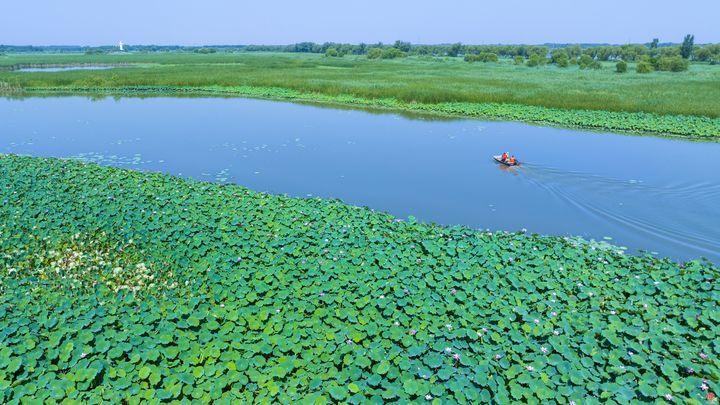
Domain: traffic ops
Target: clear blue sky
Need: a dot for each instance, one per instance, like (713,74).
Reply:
(198,22)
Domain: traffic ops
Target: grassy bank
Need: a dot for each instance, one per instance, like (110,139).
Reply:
(660,102)
(125,285)
(637,123)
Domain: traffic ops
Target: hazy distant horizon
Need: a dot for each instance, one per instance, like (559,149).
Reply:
(216,22)
(389,43)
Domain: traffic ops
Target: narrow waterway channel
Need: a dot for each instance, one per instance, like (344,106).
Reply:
(643,193)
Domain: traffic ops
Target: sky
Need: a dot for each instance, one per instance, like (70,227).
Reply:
(218,22)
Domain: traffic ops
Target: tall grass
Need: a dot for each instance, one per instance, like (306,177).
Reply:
(9,89)
(424,80)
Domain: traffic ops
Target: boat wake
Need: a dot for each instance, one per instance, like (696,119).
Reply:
(686,215)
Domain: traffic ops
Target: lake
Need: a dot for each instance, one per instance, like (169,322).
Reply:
(660,195)
(63,68)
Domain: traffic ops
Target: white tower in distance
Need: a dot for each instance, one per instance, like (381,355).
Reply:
(120,45)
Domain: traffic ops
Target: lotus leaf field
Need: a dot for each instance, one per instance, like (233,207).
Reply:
(687,126)
(122,286)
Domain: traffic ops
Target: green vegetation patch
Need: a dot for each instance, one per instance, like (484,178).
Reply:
(420,79)
(632,122)
(127,286)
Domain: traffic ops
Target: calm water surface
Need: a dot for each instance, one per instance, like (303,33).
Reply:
(63,69)
(646,193)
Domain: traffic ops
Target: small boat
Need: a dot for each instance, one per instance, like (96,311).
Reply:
(497,159)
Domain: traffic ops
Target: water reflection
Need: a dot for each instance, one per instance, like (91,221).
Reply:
(438,171)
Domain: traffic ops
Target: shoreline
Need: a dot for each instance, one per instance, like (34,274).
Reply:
(185,285)
(645,124)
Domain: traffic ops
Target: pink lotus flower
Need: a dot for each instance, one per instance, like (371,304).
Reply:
(349,341)
(704,387)
(530,368)
(83,355)
(456,356)
(537,321)
(498,356)
(703,356)
(544,349)
(412,332)
(668,397)
(448,350)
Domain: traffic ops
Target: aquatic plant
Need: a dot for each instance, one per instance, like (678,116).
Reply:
(256,297)
(9,88)
(632,122)
(418,79)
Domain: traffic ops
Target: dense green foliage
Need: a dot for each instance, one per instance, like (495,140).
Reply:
(629,52)
(454,50)
(560,58)
(205,50)
(121,286)
(385,53)
(481,57)
(686,49)
(621,66)
(655,103)
(708,53)
(670,64)
(587,62)
(424,80)
(374,53)
(536,60)
(644,67)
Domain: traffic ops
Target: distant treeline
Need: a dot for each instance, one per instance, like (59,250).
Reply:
(601,52)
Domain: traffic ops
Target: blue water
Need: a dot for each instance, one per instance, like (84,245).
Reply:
(643,193)
(62,69)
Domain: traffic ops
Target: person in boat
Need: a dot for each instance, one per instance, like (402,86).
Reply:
(504,157)
(512,161)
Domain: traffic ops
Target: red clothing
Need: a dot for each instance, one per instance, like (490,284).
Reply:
(504,156)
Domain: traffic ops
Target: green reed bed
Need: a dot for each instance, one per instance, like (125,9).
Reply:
(424,81)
